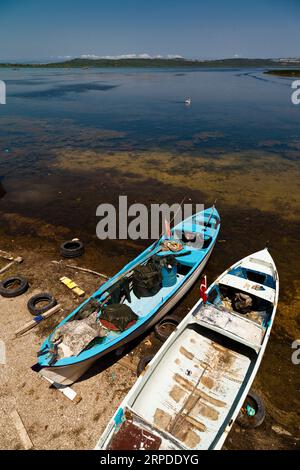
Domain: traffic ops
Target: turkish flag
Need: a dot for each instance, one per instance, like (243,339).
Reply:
(203,287)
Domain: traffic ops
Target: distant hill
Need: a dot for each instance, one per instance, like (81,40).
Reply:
(177,62)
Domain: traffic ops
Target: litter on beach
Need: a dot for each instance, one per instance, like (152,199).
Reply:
(2,352)
(72,286)
(21,430)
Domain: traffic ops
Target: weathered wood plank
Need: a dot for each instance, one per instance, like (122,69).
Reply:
(21,430)
(32,323)
(67,391)
(79,268)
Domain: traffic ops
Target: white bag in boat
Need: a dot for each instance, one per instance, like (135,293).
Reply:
(74,336)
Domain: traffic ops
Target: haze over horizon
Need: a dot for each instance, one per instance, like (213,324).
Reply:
(66,29)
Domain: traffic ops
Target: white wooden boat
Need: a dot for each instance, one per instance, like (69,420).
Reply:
(193,389)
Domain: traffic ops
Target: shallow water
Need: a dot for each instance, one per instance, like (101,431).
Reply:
(72,139)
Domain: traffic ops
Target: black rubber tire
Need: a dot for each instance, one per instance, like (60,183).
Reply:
(252,422)
(33,301)
(72,249)
(8,292)
(143,362)
(160,331)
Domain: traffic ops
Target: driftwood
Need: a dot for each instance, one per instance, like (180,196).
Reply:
(21,430)
(87,271)
(6,267)
(83,269)
(32,323)
(5,255)
(12,260)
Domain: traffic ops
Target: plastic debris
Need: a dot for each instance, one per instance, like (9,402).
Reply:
(281,431)
(2,352)
(21,430)
(72,285)
(250,410)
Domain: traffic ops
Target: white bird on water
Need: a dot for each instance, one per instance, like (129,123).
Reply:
(188,101)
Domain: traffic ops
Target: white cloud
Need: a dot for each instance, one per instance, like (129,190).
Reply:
(176,56)
(130,56)
(89,56)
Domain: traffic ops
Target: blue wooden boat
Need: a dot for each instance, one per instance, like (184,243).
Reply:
(196,237)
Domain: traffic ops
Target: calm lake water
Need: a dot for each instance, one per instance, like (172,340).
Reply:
(72,139)
(147,104)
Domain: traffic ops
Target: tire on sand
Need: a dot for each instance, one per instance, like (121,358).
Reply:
(165,327)
(252,422)
(72,249)
(47,301)
(144,361)
(13,286)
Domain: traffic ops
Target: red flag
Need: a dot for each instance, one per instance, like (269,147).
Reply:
(203,287)
(167,229)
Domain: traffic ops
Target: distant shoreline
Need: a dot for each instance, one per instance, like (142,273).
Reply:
(284,73)
(104,63)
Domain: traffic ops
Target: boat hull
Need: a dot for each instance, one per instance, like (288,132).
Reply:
(247,360)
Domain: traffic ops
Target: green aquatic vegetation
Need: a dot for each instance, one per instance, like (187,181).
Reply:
(284,73)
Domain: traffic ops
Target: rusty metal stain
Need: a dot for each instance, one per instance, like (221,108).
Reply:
(230,375)
(177,393)
(186,353)
(222,349)
(189,386)
(191,439)
(184,382)
(211,400)
(208,382)
(177,362)
(196,406)
(226,358)
(162,419)
(206,411)
(185,433)
(200,426)
(191,402)
(218,347)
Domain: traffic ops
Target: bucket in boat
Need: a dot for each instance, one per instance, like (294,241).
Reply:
(169,275)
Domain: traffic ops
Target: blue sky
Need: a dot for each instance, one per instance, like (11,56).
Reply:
(35,29)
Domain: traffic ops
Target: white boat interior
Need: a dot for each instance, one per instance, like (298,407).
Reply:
(194,388)
(196,385)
